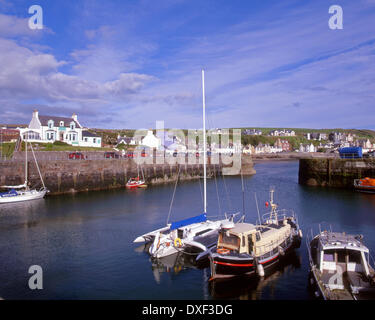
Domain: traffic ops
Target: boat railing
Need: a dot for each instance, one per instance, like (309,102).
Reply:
(262,249)
(281,213)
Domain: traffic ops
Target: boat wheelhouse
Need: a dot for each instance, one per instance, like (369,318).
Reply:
(340,267)
(248,249)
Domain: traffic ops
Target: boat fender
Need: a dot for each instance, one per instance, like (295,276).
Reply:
(281,251)
(178,242)
(260,270)
(300,233)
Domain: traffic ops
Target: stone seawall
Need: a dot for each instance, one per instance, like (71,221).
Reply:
(68,176)
(339,173)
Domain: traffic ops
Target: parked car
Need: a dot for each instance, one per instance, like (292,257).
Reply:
(111,155)
(130,154)
(76,156)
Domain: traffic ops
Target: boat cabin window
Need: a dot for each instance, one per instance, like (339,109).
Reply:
(202,232)
(258,236)
(329,255)
(251,244)
(354,256)
(180,233)
(230,239)
(341,256)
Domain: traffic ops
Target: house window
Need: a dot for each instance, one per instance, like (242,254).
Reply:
(72,125)
(50,124)
(61,123)
(94,140)
(85,139)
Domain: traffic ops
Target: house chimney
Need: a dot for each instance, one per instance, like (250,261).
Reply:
(75,118)
(35,114)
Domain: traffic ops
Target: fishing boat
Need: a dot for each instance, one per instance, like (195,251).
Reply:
(248,249)
(194,234)
(365,185)
(23,192)
(340,267)
(137,182)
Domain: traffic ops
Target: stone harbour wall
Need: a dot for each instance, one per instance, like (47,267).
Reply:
(339,173)
(69,176)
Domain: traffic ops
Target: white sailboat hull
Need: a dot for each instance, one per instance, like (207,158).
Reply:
(23,196)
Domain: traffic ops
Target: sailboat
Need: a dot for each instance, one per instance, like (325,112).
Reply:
(137,182)
(194,234)
(23,192)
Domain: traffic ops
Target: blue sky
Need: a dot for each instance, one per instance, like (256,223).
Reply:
(126,64)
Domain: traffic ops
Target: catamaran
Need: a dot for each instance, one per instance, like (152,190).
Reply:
(194,234)
(23,192)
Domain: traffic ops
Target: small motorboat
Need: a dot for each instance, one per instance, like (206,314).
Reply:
(365,185)
(340,267)
(248,249)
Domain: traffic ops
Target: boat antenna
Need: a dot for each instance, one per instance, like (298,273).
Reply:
(243,195)
(26,165)
(256,202)
(204,148)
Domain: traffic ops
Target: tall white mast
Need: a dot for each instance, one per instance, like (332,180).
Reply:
(204,148)
(26,163)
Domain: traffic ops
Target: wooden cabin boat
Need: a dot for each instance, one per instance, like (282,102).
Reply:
(340,267)
(249,249)
(365,185)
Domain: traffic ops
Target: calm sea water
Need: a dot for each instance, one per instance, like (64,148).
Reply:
(84,244)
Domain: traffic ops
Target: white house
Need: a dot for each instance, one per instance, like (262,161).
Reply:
(48,129)
(151,141)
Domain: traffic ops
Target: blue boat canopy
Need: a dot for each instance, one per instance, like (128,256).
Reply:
(186,222)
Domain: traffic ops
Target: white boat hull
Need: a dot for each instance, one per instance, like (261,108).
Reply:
(23,196)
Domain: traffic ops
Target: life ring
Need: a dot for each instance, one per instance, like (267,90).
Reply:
(179,242)
(222,251)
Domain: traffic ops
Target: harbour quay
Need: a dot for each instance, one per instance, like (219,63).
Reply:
(334,172)
(95,172)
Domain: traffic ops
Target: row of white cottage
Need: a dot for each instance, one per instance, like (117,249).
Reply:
(51,128)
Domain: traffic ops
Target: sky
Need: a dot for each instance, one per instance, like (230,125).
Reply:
(127,64)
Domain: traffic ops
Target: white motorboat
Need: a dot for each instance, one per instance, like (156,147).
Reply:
(340,267)
(23,192)
(194,234)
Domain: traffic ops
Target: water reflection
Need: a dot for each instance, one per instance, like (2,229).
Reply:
(253,288)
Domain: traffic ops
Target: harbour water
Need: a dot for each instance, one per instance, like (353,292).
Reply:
(84,242)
